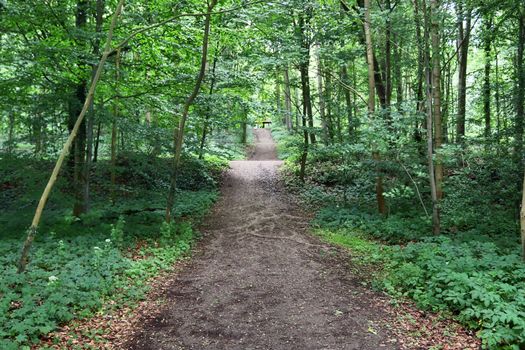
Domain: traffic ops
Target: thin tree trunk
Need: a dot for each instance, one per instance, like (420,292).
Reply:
(463,44)
(288,100)
(436,95)
(497,97)
(304,154)
(447,85)
(114,130)
(420,104)
(207,117)
(522,220)
(79,153)
(320,92)
(328,105)
(381,204)
(297,108)
(399,75)
(179,133)
(436,222)
(97,142)
(487,41)
(11,133)
(388,59)
(99,18)
(31,232)
(520,98)
(278,98)
(348,101)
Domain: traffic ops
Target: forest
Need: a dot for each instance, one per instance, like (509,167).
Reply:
(134,134)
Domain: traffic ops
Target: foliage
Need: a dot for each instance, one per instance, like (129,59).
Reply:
(474,273)
(476,280)
(72,274)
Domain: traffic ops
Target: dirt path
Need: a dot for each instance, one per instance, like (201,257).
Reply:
(261,281)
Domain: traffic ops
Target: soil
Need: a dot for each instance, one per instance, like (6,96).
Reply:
(260,281)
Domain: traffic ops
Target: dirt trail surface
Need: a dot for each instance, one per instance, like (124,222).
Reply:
(260,281)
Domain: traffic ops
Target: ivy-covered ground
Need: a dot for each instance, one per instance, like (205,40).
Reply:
(472,273)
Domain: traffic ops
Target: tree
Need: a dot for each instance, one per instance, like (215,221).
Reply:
(89,98)
(371,100)
(179,132)
(464,28)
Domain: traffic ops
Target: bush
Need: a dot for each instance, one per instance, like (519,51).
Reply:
(477,281)
(393,229)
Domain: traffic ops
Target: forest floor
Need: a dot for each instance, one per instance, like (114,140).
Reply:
(260,280)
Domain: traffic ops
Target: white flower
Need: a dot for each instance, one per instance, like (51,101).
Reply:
(97,249)
(108,240)
(52,279)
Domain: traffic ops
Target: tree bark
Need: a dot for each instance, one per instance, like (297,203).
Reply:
(487,42)
(79,148)
(304,22)
(348,101)
(464,24)
(97,142)
(208,111)
(288,100)
(320,92)
(114,131)
(381,204)
(436,94)
(522,221)
(420,104)
(11,133)
(520,97)
(278,97)
(436,221)
(99,18)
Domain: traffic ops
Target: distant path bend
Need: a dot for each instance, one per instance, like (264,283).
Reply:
(261,281)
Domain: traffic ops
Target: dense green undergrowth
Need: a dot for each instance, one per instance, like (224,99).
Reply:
(473,271)
(78,264)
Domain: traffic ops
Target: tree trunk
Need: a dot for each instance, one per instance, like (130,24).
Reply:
(179,133)
(520,97)
(297,108)
(436,222)
(288,100)
(348,101)
(304,155)
(522,221)
(436,94)
(320,92)
(328,105)
(97,142)
(31,232)
(464,24)
(381,204)
(114,131)
(11,133)
(303,27)
(305,84)
(388,59)
(420,104)
(487,41)
(99,18)
(208,111)
(399,75)
(77,162)
(278,98)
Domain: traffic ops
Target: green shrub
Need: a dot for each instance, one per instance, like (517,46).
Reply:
(477,281)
